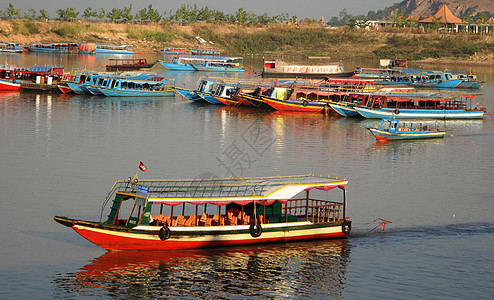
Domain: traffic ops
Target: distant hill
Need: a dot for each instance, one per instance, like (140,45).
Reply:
(459,8)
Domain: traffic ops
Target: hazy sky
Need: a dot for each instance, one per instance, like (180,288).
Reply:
(300,8)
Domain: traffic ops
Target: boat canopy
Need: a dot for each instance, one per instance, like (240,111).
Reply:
(424,96)
(223,191)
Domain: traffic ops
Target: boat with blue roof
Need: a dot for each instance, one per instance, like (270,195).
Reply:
(154,87)
(392,129)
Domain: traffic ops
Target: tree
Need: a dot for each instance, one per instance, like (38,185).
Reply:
(142,15)
(31,14)
(101,14)
(12,13)
(43,15)
(114,14)
(89,13)
(153,15)
(436,23)
(67,14)
(126,13)
(241,15)
(205,14)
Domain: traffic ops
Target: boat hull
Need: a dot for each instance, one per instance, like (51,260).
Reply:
(147,237)
(177,67)
(344,110)
(189,94)
(9,85)
(383,135)
(297,105)
(135,93)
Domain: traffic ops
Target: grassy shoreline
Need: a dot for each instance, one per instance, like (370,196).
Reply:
(241,39)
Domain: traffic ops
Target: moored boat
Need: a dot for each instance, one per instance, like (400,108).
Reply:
(200,50)
(127,64)
(230,64)
(241,211)
(429,105)
(123,87)
(11,77)
(279,68)
(11,47)
(392,129)
(168,50)
(114,49)
(55,48)
(189,63)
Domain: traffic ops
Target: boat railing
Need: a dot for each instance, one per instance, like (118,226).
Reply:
(314,210)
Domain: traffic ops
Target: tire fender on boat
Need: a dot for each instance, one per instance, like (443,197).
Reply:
(397,111)
(305,103)
(164,233)
(346,227)
(255,230)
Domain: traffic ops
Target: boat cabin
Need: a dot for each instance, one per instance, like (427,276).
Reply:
(394,125)
(222,202)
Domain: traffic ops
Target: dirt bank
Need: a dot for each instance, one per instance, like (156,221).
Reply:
(241,39)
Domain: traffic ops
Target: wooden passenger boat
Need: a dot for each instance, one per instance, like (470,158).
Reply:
(11,77)
(168,50)
(206,213)
(279,68)
(123,87)
(230,64)
(199,50)
(11,47)
(114,49)
(81,81)
(194,63)
(392,129)
(419,78)
(55,48)
(127,64)
(418,105)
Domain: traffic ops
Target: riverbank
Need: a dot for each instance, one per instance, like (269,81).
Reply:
(243,39)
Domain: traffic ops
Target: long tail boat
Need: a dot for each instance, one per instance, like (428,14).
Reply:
(168,214)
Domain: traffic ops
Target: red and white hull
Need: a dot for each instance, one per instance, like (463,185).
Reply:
(147,237)
(9,85)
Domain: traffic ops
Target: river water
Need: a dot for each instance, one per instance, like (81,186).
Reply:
(61,153)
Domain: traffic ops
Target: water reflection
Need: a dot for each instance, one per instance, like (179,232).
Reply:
(315,270)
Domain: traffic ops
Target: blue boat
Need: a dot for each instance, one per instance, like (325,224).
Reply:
(189,63)
(11,47)
(205,85)
(418,78)
(344,109)
(114,49)
(392,129)
(79,84)
(230,64)
(188,94)
(119,87)
(55,48)
(205,51)
(209,97)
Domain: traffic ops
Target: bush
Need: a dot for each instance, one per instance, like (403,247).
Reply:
(68,30)
(150,35)
(25,28)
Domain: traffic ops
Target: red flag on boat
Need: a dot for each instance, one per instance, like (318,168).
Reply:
(142,167)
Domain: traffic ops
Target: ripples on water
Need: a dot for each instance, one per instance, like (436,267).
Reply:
(395,264)
(307,270)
